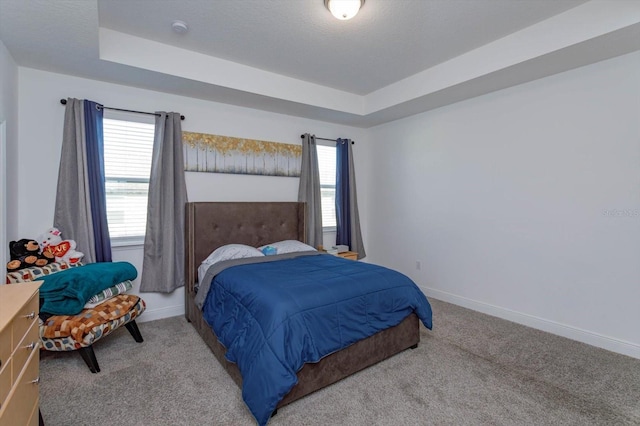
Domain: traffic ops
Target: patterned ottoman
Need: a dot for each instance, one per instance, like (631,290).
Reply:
(79,332)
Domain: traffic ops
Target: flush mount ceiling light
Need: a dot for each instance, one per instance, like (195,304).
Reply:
(344,9)
(179,27)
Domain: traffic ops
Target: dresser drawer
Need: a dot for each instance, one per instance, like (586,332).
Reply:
(5,381)
(25,317)
(35,416)
(24,396)
(6,347)
(29,344)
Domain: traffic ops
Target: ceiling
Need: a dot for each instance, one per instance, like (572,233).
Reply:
(394,59)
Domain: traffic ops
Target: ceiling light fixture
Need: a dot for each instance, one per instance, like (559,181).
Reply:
(344,9)
(179,27)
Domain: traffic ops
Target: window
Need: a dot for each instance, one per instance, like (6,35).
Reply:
(128,143)
(327,166)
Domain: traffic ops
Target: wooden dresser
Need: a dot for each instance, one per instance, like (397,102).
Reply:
(19,354)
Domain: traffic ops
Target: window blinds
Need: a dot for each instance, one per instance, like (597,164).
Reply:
(127,158)
(327,167)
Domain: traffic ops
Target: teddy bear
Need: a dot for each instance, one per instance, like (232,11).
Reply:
(52,244)
(25,253)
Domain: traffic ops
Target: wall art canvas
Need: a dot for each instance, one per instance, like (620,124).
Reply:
(225,154)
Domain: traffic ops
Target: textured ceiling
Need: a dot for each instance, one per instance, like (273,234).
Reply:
(395,58)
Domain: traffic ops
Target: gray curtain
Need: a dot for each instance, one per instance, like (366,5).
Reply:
(72,214)
(355,243)
(309,190)
(163,262)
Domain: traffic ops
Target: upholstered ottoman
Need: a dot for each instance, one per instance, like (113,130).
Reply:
(105,312)
(79,332)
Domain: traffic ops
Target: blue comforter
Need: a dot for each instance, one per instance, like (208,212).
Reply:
(275,316)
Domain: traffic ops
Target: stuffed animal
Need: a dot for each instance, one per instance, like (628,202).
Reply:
(52,244)
(25,253)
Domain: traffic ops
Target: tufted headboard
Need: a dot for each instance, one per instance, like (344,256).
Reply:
(209,225)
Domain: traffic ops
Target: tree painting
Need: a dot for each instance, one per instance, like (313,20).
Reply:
(226,154)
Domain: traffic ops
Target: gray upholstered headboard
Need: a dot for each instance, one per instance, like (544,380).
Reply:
(209,225)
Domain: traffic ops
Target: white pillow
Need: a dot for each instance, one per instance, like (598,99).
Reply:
(289,246)
(232,251)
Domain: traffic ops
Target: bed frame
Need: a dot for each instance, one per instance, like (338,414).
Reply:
(209,225)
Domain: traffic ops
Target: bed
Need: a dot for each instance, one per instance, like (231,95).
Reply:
(210,225)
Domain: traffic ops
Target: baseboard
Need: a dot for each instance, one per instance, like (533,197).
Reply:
(159,313)
(584,336)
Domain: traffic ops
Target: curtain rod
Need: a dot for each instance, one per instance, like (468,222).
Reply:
(64,102)
(325,139)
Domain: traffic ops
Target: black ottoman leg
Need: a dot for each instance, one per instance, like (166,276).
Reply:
(90,359)
(135,331)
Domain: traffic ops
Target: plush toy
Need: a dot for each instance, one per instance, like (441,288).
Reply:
(25,253)
(52,244)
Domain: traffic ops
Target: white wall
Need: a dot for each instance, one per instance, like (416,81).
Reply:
(8,148)
(40,144)
(505,200)
(501,198)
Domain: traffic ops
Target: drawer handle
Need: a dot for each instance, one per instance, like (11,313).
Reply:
(30,346)
(32,315)
(36,381)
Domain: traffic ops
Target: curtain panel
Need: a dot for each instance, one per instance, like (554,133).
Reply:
(95,173)
(163,261)
(80,209)
(309,190)
(347,215)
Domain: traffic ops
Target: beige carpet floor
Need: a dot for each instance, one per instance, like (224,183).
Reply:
(472,369)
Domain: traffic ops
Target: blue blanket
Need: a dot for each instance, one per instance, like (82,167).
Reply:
(275,316)
(66,292)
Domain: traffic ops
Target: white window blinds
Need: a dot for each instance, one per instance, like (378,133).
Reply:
(127,159)
(327,167)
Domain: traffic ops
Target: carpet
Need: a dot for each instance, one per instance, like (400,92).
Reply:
(472,369)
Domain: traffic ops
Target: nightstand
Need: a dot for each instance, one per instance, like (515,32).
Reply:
(351,255)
